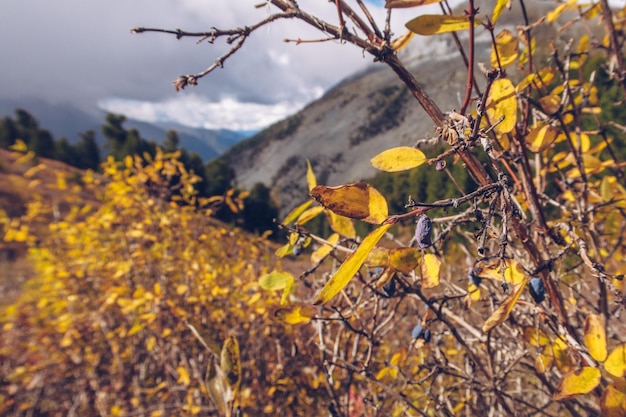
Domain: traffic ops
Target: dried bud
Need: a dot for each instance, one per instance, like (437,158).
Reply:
(423,230)
(537,289)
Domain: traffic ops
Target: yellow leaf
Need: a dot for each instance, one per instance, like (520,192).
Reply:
(513,273)
(474,291)
(384,278)
(296,212)
(431,267)
(502,102)
(310,176)
(399,4)
(433,24)
(402,41)
(19,146)
(543,362)
(218,388)
(351,265)
(561,355)
(324,250)
(504,310)
(356,201)
(540,138)
(550,104)
(595,337)
(552,15)
(230,362)
(615,364)
(575,383)
(309,215)
(535,336)
(497,10)
(341,225)
(377,257)
(284,250)
(276,280)
(295,314)
(398,159)
(613,403)
(404,260)
(506,49)
(183,376)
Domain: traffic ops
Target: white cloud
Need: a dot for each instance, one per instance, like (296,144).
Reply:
(196,111)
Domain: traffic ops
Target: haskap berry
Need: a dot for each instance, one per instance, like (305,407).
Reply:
(537,289)
(423,230)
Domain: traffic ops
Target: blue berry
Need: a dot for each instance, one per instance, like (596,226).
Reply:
(390,288)
(423,230)
(417,332)
(426,336)
(474,279)
(537,289)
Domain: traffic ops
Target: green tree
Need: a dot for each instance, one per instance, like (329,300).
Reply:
(88,151)
(259,212)
(219,177)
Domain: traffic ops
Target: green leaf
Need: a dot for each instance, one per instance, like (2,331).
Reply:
(398,159)
(434,24)
(351,265)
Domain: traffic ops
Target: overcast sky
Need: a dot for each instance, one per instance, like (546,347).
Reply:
(82,52)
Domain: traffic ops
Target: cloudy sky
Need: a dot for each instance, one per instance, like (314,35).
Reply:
(82,52)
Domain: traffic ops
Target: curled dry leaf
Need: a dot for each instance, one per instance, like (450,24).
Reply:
(357,201)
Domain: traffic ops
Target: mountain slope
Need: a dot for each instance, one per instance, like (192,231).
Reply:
(362,116)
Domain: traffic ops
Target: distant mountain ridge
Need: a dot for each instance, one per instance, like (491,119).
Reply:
(66,120)
(360,117)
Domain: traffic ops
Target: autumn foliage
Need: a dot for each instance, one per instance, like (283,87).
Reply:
(505,299)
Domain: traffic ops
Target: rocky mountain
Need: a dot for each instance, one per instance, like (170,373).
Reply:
(361,116)
(66,120)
